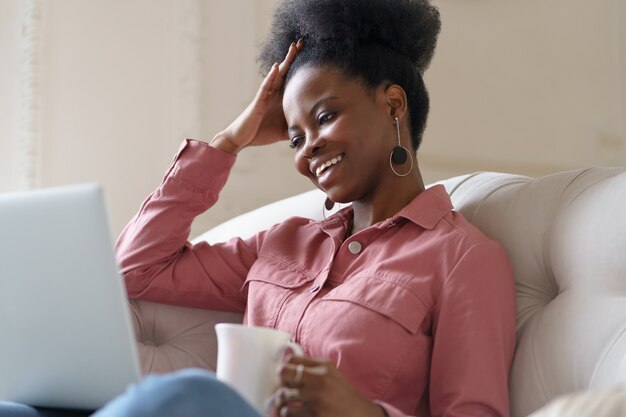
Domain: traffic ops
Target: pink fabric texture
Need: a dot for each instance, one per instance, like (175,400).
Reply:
(417,311)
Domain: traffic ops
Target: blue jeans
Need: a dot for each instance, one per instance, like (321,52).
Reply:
(8,409)
(186,393)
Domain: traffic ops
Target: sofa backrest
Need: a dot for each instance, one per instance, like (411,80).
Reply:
(565,235)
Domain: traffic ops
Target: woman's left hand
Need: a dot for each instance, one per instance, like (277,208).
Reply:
(315,388)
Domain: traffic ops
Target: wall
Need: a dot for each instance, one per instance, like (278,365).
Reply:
(105,91)
(527,86)
(117,87)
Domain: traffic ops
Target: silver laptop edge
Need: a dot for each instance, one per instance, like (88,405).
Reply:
(66,334)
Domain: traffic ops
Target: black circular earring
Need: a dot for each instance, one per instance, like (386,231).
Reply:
(399,154)
(329,204)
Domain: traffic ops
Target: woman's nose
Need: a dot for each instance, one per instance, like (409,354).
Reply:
(313,145)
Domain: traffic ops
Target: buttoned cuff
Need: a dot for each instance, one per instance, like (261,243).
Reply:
(201,165)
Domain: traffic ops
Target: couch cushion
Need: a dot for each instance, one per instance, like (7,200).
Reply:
(566,237)
(172,337)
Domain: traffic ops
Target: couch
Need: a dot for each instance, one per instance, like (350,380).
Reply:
(565,235)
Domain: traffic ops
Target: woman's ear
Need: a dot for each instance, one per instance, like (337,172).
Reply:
(396,101)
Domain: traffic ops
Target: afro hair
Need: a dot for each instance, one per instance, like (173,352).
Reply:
(377,41)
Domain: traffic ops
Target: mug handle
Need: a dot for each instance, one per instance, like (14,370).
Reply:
(295,348)
(288,349)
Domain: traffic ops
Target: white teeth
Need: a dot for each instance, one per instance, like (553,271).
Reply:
(327,164)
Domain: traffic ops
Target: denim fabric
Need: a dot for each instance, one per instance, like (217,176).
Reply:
(8,409)
(186,393)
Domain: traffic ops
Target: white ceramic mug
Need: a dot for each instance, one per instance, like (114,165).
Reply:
(247,357)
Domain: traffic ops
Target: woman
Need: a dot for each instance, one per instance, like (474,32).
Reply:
(402,307)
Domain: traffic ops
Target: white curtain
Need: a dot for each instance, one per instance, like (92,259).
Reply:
(20,42)
(29,136)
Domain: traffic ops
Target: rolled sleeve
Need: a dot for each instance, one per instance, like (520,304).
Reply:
(201,165)
(158,262)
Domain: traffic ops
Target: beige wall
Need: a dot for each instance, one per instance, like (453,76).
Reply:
(528,86)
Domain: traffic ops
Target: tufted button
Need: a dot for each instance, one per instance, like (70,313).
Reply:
(354,247)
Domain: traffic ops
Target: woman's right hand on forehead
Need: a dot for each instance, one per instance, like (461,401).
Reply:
(263,121)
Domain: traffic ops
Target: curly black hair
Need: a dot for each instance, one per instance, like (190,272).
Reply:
(376,41)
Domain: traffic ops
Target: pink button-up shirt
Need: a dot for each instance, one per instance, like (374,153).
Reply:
(417,311)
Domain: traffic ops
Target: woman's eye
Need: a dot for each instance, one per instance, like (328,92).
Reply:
(325,118)
(296,142)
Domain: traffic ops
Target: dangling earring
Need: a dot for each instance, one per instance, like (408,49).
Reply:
(399,153)
(328,206)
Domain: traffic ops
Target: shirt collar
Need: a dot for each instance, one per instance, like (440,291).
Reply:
(426,210)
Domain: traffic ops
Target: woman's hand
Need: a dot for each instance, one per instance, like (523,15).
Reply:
(263,121)
(314,387)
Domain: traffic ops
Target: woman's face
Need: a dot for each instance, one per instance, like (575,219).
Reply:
(341,131)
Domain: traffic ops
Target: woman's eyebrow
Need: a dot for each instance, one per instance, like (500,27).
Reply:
(319,102)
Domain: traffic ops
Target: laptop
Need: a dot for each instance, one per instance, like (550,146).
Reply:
(66,338)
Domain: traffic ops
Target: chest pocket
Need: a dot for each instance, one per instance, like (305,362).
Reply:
(381,324)
(271,283)
(374,298)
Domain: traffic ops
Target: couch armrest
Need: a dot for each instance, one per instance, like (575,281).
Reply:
(172,337)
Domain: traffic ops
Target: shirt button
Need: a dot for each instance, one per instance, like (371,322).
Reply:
(314,288)
(354,247)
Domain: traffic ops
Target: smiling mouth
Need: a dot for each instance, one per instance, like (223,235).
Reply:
(319,171)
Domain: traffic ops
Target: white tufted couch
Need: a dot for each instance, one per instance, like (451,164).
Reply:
(566,237)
